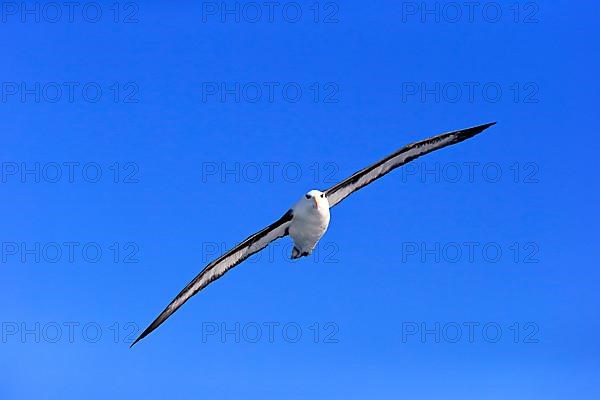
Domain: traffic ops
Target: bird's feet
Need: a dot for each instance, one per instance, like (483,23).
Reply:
(297,254)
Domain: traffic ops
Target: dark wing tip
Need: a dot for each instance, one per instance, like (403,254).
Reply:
(470,132)
(155,324)
(485,126)
(143,335)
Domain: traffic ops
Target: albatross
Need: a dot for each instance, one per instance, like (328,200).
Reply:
(308,219)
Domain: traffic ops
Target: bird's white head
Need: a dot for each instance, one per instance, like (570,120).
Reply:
(315,199)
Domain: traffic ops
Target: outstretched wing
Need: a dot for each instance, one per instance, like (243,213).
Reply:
(362,178)
(217,268)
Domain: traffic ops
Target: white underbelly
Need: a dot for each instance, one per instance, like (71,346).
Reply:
(306,230)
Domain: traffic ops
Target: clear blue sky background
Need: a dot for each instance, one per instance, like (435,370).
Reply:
(366,280)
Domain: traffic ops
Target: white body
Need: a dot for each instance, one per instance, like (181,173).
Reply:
(310,221)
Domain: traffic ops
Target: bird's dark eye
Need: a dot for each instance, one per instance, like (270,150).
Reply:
(322,195)
(307,196)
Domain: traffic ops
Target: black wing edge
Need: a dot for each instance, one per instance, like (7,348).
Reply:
(167,312)
(461,135)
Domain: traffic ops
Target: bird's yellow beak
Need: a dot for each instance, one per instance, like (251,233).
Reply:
(316,203)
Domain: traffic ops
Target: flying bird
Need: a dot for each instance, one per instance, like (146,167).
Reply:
(308,219)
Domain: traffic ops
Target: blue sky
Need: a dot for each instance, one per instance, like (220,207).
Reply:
(139,141)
